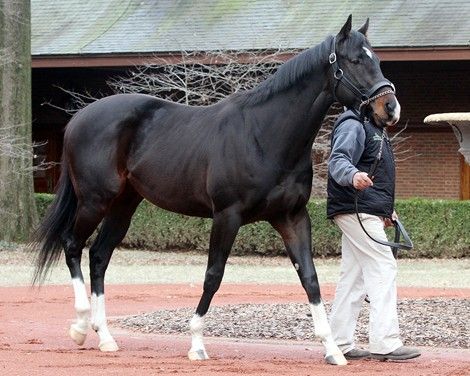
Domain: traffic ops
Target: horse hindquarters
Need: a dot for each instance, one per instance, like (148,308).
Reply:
(94,151)
(106,198)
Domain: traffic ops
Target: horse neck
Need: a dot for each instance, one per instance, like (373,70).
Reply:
(292,118)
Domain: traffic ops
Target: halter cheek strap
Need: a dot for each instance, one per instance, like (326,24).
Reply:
(365,97)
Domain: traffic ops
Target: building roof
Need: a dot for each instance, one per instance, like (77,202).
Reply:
(79,27)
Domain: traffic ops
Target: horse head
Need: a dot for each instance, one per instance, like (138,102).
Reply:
(357,80)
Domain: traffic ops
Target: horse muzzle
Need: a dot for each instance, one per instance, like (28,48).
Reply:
(388,112)
(384,104)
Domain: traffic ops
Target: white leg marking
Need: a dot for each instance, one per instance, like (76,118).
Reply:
(323,332)
(79,329)
(100,325)
(197,351)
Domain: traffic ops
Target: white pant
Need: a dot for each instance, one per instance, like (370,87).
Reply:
(366,268)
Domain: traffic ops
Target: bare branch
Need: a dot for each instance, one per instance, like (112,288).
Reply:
(401,146)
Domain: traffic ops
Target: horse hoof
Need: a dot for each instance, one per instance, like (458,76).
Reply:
(337,359)
(108,346)
(77,336)
(197,355)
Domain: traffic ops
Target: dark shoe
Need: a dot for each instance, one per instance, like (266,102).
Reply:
(355,354)
(402,353)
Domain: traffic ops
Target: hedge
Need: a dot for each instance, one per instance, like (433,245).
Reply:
(438,228)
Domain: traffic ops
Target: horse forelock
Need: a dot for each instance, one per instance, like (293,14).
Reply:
(288,74)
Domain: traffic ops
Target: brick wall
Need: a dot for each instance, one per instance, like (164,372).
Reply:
(425,88)
(432,167)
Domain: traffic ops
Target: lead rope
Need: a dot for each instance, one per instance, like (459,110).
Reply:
(399,229)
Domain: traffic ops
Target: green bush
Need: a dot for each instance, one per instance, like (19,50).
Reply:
(438,228)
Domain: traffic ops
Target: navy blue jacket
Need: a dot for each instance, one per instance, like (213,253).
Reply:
(355,146)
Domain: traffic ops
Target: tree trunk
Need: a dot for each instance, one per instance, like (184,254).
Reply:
(17,206)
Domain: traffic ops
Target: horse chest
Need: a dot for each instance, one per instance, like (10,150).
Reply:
(290,194)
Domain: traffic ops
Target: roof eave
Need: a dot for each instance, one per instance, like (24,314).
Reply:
(433,53)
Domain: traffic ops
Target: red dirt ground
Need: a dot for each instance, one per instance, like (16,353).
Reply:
(34,340)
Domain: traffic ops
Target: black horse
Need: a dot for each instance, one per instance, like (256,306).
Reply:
(244,159)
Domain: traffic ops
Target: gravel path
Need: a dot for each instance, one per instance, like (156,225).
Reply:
(423,322)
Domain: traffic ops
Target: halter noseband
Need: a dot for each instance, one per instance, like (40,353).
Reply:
(365,97)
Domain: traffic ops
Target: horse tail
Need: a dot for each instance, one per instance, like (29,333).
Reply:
(55,226)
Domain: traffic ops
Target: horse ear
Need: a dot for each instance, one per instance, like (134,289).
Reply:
(364,28)
(346,29)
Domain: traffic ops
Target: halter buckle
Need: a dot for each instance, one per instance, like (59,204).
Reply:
(332,58)
(338,74)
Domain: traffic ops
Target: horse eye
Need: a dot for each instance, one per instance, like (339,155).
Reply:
(355,61)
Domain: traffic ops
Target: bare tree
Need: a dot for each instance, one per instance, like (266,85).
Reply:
(17,205)
(201,79)
(402,151)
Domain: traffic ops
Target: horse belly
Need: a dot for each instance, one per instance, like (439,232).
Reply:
(173,193)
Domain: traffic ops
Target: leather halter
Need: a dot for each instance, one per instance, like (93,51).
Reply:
(365,96)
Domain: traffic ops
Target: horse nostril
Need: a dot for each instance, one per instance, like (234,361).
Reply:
(390,107)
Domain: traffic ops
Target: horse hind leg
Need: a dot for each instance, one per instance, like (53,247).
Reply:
(224,230)
(78,330)
(87,219)
(111,233)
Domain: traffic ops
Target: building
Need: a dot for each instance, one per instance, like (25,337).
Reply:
(424,47)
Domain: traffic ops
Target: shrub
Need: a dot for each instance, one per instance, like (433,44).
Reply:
(438,228)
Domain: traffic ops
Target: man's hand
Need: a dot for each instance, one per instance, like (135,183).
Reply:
(361,180)
(388,222)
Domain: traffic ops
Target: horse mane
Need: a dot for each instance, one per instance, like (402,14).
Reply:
(288,74)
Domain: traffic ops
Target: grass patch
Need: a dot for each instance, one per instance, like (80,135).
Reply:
(438,228)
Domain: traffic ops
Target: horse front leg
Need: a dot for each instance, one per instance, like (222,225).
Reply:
(225,227)
(295,230)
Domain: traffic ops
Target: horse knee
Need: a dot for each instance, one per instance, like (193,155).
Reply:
(312,288)
(213,280)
